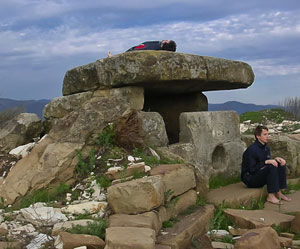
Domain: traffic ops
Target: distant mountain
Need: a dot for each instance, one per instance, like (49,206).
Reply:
(37,106)
(239,107)
(31,106)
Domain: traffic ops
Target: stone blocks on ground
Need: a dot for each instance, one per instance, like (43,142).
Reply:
(261,238)
(295,226)
(144,220)
(136,196)
(129,238)
(288,206)
(235,195)
(250,219)
(216,138)
(64,226)
(69,241)
(19,131)
(177,178)
(181,203)
(180,235)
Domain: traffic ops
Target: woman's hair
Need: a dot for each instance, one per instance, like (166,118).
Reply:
(170,46)
(258,130)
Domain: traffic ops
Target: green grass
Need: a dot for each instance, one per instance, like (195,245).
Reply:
(169,223)
(220,180)
(220,220)
(96,228)
(103,181)
(107,137)
(275,115)
(46,195)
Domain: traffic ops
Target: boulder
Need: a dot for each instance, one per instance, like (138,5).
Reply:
(261,238)
(137,129)
(283,146)
(177,178)
(295,225)
(250,219)
(181,203)
(64,226)
(145,220)
(190,226)
(136,196)
(54,158)
(159,71)
(42,216)
(90,207)
(69,241)
(19,130)
(235,195)
(129,238)
(215,142)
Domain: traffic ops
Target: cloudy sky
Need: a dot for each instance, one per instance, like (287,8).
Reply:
(41,39)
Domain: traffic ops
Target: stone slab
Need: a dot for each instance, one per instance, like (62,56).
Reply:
(180,235)
(288,206)
(129,238)
(235,195)
(177,178)
(250,219)
(159,71)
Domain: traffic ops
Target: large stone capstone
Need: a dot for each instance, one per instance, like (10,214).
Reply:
(158,72)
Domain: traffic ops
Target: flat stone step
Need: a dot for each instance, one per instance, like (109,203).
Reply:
(288,206)
(251,219)
(235,195)
(190,226)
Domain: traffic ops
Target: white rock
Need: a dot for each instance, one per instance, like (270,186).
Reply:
(217,233)
(147,168)
(38,241)
(68,197)
(22,150)
(43,216)
(91,207)
(114,169)
(1,219)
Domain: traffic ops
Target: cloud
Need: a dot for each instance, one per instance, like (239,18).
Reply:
(44,33)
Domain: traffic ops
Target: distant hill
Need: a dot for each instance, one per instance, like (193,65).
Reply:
(37,106)
(239,107)
(31,106)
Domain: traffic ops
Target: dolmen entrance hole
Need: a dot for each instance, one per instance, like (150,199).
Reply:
(170,106)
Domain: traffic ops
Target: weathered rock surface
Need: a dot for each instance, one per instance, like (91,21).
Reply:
(180,235)
(177,178)
(288,206)
(54,158)
(145,220)
(283,146)
(235,195)
(295,225)
(129,237)
(136,196)
(19,130)
(215,141)
(64,226)
(159,71)
(181,203)
(262,238)
(251,219)
(90,207)
(69,241)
